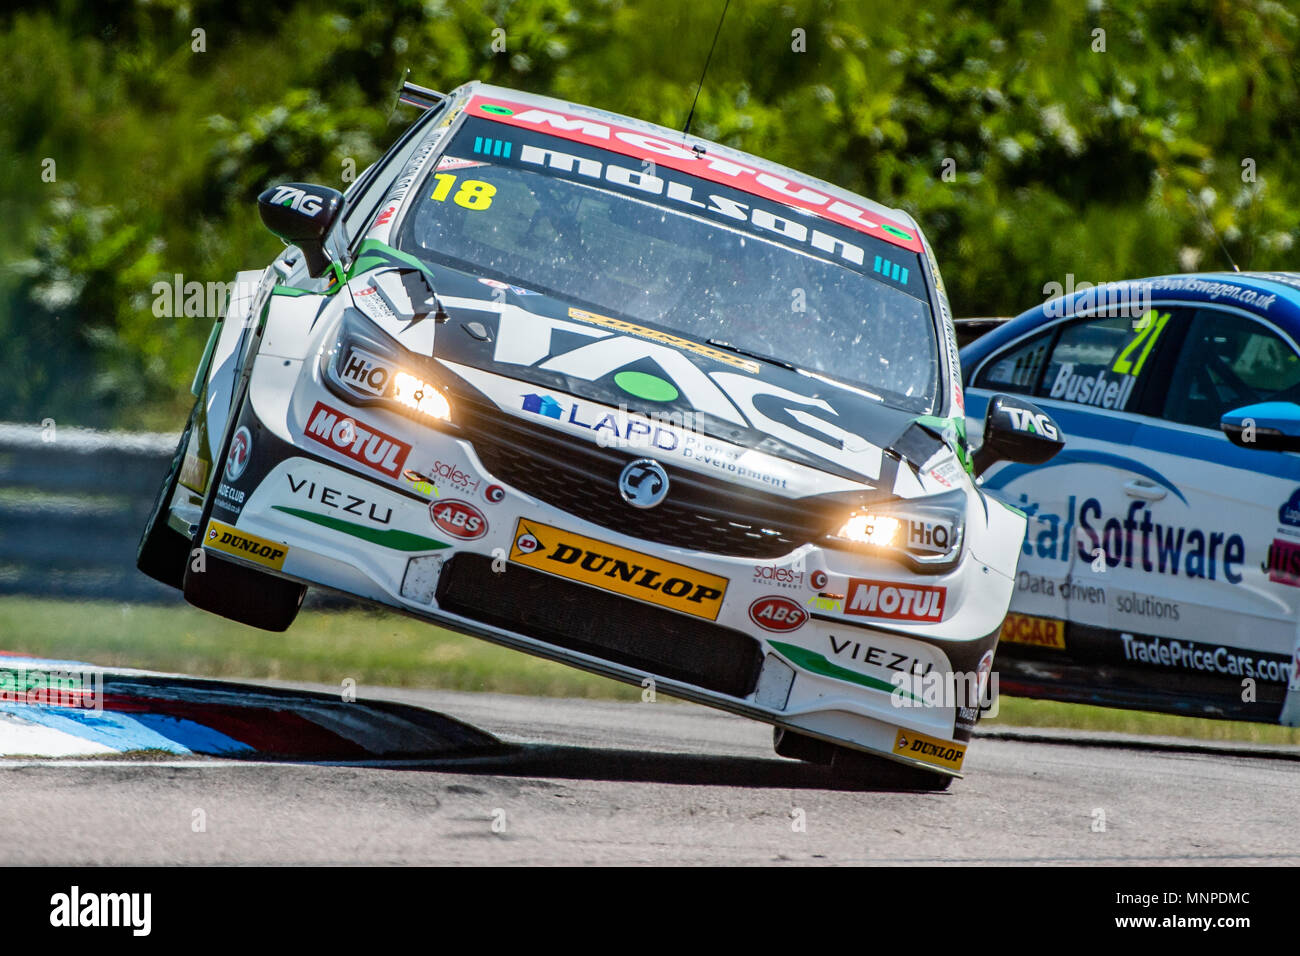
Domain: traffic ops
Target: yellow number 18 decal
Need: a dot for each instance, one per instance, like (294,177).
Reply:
(473,193)
(1150,326)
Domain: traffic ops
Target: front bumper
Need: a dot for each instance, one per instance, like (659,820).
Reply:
(447,548)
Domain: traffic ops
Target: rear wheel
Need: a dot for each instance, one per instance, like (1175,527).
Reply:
(242,594)
(163,552)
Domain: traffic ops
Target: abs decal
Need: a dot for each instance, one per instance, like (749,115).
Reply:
(778,614)
(460,519)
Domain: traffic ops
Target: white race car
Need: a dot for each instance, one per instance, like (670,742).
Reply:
(622,398)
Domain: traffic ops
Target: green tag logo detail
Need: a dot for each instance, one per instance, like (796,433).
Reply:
(652,388)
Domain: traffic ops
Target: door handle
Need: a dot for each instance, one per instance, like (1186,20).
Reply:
(1146,490)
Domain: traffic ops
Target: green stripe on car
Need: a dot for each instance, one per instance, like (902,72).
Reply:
(384,537)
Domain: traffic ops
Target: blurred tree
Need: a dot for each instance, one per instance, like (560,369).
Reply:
(1031,140)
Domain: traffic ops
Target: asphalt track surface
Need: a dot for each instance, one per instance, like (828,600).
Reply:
(599,782)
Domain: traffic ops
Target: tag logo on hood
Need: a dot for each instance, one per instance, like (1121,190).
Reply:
(528,339)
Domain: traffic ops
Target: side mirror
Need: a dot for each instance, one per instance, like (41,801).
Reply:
(302,215)
(1268,426)
(1016,430)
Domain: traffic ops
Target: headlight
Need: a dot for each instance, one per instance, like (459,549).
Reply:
(365,369)
(420,395)
(925,534)
(874,529)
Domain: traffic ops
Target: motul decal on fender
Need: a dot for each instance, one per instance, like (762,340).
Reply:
(364,443)
(895,602)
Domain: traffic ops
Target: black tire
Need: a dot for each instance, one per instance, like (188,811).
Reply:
(789,743)
(163,552)
(880,773)
(242,594)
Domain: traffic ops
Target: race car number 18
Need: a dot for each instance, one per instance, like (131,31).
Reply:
(473,193)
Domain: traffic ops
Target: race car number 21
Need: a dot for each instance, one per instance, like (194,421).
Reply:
(473,193)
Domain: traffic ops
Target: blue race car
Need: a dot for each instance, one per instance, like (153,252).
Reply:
(1161,563)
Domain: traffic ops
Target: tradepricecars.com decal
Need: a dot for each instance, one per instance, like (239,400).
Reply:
(1205,658)
(619,570)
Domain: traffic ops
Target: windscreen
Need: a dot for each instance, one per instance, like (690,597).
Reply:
(679,253)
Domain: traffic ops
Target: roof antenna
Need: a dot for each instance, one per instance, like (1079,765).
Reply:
(406,75)
(1195,202)
(691,115)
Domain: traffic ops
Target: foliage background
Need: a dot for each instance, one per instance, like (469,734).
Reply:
(1067,160)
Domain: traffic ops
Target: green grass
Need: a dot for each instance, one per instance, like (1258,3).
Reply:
(371,647)
(376,647)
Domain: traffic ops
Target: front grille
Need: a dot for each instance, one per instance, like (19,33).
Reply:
(700,513)
(604,625)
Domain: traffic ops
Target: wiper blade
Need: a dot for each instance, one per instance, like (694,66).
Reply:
(740,350)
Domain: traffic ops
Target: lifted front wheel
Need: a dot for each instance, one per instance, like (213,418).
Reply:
(242,594)
(163,552)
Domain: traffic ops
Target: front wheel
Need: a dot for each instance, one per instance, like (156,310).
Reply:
(855,767)
(163,552)
(878,772)
(242,594)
